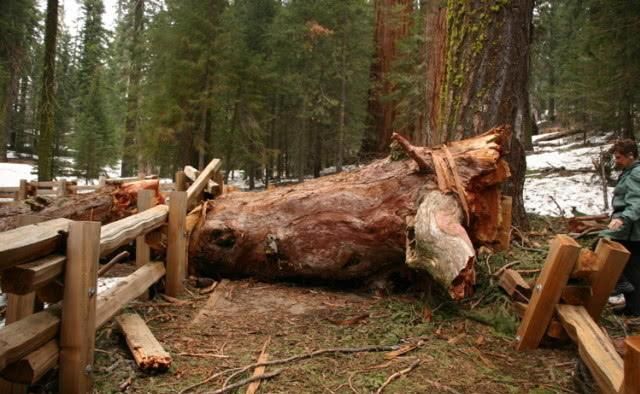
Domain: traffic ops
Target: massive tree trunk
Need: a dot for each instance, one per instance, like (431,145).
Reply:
(392,23)
(47,102)
(359,224)
(478,76)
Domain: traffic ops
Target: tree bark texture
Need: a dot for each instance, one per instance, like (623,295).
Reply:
(47,101)
(392,23)
(478,76)
(351,226)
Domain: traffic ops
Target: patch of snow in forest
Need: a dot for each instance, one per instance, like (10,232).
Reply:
(577,191)
(569,159)
(11,173)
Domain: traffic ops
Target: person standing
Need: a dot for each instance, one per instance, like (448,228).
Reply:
(624,226)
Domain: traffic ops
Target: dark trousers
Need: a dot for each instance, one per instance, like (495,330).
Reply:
(632,274)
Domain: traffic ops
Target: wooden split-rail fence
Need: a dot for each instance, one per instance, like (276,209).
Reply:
(56,261)
(63,187)
(560,309)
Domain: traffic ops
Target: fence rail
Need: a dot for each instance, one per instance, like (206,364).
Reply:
(34,256)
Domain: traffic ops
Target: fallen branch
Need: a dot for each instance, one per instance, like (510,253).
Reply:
(119,257)
(242,382)
(397,375)
(240,370)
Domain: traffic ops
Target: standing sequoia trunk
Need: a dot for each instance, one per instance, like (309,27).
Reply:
(478,76)
(392,23)
(358,224)
(47,102)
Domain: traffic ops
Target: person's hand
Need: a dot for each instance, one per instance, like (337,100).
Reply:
(615,224)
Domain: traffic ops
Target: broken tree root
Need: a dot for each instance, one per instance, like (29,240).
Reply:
(241,370)
(396,375)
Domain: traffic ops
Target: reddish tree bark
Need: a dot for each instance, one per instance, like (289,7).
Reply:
(392,23)
(354,225)
(479,76)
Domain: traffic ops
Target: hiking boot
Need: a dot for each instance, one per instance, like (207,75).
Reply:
(616,300)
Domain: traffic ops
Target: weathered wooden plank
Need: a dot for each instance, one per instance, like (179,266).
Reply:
(594,346)
(176,244)
(203,180)
(147,352)
(612,258)
(514,285)
(146,199)
(116,234)
(127,289)
(31,368)
(28,277)
(30,242)
(559,264)
(632,366)
(78,325)
(21,338)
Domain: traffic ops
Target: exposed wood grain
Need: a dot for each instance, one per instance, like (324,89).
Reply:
(559,264)
(594,346)
(116,234)
(78,324)
(28,277)
(30,242)
(176,244)
(147,352)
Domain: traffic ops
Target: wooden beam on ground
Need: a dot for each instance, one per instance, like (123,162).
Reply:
(147,352)
(32,367)
(202,181)
(146,199)
(30,242)
(176,244)
(78,325)
(28,277)
(263,358)
(594,346)
(20,339)
(632,366)
(116,234)
(612,258)
(586,266)
(515,286)
(559,264)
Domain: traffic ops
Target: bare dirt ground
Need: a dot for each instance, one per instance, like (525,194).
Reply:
(228,328)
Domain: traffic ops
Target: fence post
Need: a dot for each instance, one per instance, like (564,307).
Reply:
(181,181)
(176,243)
(62,188)
(78,323)
(145,201)
(632,366)
(23,191)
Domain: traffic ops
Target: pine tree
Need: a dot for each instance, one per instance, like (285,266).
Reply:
(94,137)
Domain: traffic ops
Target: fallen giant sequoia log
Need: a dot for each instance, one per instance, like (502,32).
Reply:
(428,210)
(108,205)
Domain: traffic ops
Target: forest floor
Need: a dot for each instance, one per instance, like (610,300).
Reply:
(459,347)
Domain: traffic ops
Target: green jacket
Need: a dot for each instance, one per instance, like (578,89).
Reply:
(626,205)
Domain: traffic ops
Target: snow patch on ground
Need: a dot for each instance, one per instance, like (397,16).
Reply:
(581,192)
(11,173)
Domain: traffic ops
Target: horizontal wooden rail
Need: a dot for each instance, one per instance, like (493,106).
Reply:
(30,242)
(19,339)
(28,277)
